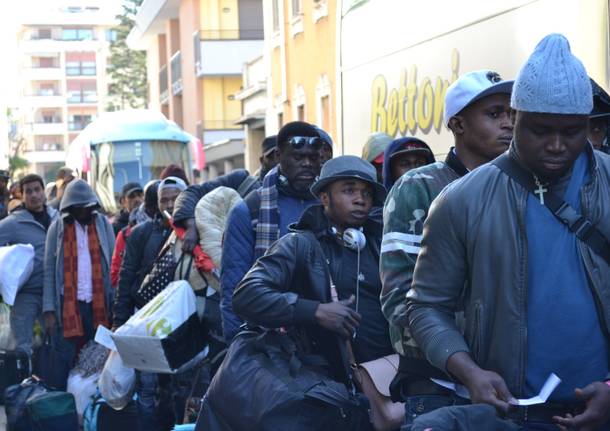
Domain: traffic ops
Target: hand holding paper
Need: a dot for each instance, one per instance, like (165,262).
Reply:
(547,389)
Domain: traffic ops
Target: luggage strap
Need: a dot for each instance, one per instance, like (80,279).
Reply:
(579,225)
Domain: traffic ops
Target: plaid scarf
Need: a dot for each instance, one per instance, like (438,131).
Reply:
(268,226)
(72,323)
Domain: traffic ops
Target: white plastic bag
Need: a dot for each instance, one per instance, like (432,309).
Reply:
(16,264)
(83,388)
(117,383)
(7,341)
(163,314)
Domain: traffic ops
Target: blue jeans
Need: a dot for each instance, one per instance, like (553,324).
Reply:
(146,388)
(418,405)
(24,313)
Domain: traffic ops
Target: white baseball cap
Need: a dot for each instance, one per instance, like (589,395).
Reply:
(471,87)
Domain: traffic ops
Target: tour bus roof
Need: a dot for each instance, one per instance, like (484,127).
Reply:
(132,125)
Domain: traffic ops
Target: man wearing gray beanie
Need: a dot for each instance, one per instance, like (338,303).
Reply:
(522,243)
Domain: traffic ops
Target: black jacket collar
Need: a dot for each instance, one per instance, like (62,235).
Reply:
(455,164)
(314,220)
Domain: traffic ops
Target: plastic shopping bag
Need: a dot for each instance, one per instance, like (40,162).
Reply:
(117,382)
(16,264)
(162,315)
(7,341)
(83,389)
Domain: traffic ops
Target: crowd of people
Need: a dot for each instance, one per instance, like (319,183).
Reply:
(489,268)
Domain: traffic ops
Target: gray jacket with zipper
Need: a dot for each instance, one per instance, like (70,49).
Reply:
(20,227)
(474,257)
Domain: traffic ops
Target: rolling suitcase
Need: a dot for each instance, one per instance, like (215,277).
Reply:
(14,368)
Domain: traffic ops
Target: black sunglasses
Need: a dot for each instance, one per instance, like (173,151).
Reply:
(299,142)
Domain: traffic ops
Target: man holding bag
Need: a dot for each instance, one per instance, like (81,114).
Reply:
(28,224)
(321,281)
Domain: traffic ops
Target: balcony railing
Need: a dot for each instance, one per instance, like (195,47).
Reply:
(176,68)
(48,146)
(163,94)
(80,71)
(236,34)
(220,125)
(82,97)
(77,125)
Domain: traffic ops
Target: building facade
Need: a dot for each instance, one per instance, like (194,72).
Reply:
(195,53)
(63,52)
(300,54)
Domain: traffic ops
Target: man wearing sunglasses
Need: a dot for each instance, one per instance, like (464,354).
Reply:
(264,216)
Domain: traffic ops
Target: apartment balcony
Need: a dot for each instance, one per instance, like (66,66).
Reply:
(176,68)
(58,128)
(51,100)
(49,46)
(43,73)
(39,155)
(226,54)
(81,71)
(82,98)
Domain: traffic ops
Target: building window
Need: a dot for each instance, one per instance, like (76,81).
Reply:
(280,120)
(320,9)
(301,113)
(111,35)
(325,112)
(79,122)
(297,8)
(77,34)
(42,33)
(276,15)
(46,62)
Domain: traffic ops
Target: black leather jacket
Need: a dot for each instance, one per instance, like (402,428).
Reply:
(285,286)
(474,255)
(141,248)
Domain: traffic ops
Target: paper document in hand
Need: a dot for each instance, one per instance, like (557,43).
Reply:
(547,389)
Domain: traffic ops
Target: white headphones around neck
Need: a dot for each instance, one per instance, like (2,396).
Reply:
(354,239)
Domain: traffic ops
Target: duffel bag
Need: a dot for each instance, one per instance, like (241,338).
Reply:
(53,411)
(15,398)
(265,384)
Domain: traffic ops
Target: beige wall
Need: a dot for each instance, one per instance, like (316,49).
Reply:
(310,59)
(220,112)
(189,23)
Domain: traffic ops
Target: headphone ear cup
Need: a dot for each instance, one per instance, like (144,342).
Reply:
(354,239)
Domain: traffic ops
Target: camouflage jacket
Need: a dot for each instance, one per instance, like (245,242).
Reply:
(405,210)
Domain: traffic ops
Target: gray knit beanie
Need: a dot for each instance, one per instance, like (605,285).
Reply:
(553,81)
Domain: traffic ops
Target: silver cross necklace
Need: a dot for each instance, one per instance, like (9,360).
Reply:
(541,189)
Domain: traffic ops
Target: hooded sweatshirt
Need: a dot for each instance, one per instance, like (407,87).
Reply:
(396,146)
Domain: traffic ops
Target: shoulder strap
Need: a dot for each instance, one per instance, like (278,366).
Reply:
(253,202)
(245,185)
(576,223)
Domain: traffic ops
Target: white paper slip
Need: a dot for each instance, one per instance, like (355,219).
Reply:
(103,337)
(547,389)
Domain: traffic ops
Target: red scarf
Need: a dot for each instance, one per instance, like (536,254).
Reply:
(72,323)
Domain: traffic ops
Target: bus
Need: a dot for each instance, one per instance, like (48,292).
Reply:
(132,145)
(397,58)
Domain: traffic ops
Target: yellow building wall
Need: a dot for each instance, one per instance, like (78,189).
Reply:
(219,19)
(309,55)
(219,112)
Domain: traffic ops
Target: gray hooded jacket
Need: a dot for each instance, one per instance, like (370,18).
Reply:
(78,193)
